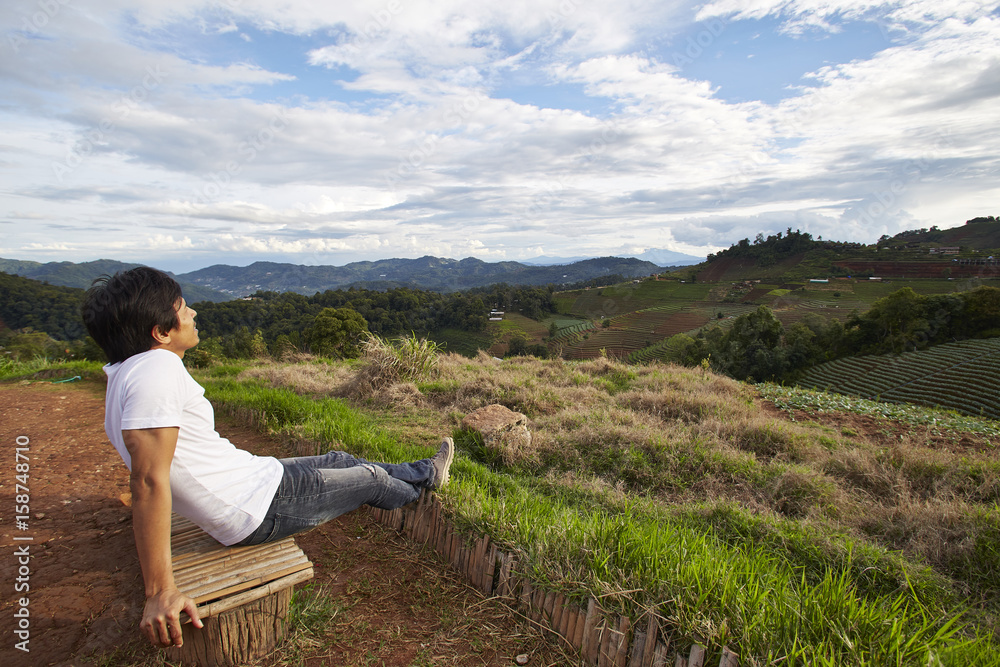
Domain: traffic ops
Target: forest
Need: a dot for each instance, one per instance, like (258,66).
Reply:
(38,319)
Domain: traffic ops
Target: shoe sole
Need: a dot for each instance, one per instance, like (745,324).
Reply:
(447,463)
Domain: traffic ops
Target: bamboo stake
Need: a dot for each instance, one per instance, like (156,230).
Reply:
(591,643)
(489,577)
(638,648)
(439,522)
(505,583)
(652,629)
(604,656)
(479,565)
(526,594)
(579,616)
(697,657)
(538,605)
(561,621)
(621,655)
(548,607)
(729,659)
(660,654)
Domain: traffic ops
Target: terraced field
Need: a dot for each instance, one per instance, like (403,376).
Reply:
(963,376)
(637,330)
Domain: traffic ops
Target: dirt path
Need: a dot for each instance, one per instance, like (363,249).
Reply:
(387,602)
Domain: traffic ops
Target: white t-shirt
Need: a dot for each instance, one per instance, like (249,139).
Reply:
(223,489)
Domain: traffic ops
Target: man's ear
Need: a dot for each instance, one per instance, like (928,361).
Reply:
(159,336)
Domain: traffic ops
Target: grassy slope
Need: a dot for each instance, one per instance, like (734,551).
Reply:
(659,487)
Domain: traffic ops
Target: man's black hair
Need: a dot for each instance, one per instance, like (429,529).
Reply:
(120,311)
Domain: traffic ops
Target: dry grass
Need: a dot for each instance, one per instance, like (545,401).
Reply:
(685,436)
(305,376)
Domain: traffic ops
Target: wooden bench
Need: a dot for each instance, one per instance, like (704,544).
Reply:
(243,595)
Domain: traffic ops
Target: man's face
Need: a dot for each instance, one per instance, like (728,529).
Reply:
(184,336)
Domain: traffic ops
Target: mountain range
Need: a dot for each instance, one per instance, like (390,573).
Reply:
(222,282)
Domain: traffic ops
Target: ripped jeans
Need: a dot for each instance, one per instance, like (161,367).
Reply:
(315,489)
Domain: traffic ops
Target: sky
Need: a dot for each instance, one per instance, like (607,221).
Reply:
(189,133)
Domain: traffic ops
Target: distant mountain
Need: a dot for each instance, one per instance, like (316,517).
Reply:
(70,274)
(430,273)
(669,258)
(656,256)
(549,260)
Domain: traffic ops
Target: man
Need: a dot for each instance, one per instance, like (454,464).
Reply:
(159,420)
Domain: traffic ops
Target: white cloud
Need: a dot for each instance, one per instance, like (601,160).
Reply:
(449,124)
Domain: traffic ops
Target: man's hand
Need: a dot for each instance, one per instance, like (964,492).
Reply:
(161,623)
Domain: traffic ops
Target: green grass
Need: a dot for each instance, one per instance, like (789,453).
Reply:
(41,368)
(739,532)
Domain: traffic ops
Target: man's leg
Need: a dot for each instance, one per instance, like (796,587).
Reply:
(419,472)
(310,496)
(315,489)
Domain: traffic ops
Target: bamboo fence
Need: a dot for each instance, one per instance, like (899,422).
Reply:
(599,638)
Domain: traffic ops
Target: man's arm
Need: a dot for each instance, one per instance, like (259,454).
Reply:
(151,451)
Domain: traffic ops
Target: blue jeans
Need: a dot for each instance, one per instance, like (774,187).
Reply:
(315,489)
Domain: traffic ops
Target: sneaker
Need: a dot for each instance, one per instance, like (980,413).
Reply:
(442,462)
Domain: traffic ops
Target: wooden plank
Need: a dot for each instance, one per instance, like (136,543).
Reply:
(211,574)
(211,593)
(270,588)
(697,657)
(258,561)
(222,559)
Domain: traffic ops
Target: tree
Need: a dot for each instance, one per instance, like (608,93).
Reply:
(258,348)
(752,347)
(336,331)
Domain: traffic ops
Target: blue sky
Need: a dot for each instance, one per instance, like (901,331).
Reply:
(195,132)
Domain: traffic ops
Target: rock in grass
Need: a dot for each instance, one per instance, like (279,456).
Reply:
(505,432)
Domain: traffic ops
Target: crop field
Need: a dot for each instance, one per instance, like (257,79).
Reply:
(628,297)
(963,376)
(635,331)
(870,291)
(618,344)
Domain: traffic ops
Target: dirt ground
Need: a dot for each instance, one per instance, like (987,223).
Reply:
(388,602)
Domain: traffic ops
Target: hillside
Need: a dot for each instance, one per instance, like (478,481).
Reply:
(430,273)
(971,250)
(29,304)
(70,274)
